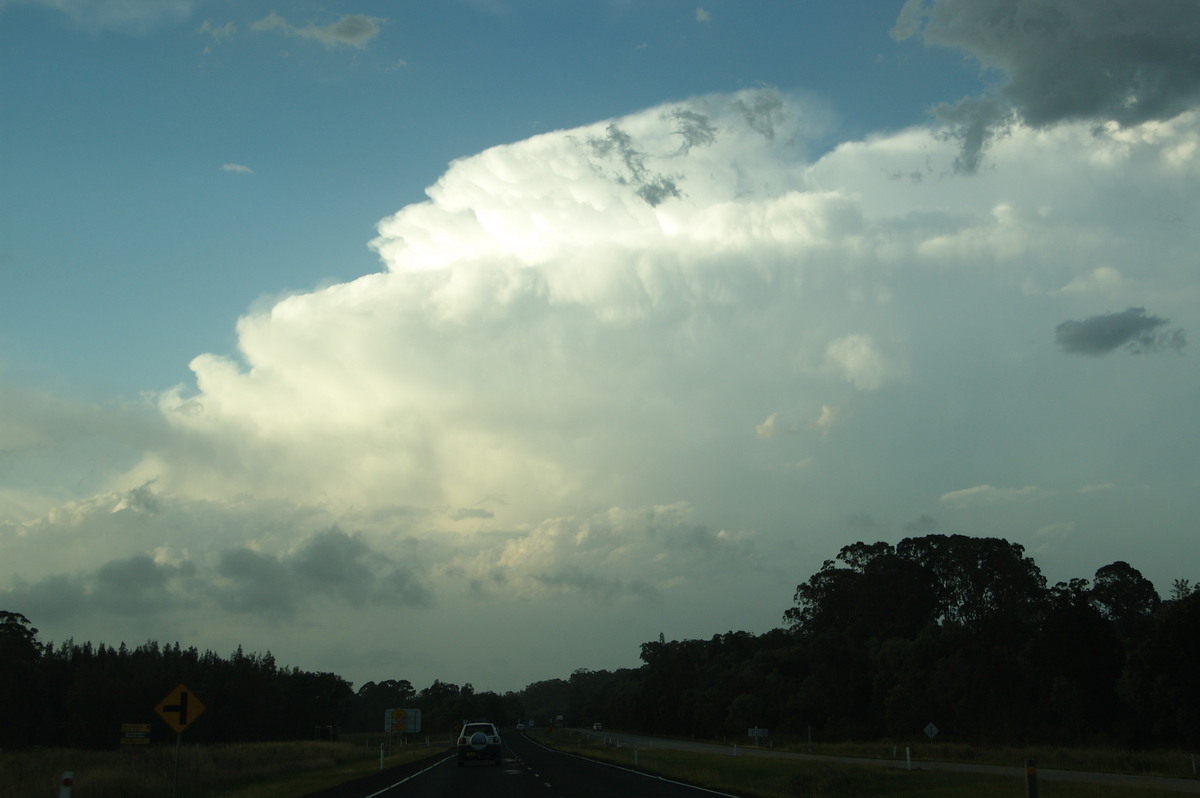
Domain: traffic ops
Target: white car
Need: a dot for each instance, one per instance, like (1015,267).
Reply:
(479,741)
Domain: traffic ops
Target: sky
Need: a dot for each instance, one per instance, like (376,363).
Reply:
(485,340)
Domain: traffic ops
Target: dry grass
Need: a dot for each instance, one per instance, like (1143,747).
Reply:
(1172,764)
(776,778)
(278,770)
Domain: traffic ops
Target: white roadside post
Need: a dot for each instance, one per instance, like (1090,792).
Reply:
(68,779)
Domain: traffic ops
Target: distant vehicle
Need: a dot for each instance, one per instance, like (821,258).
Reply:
(478,742)
(597,726)
(520,727)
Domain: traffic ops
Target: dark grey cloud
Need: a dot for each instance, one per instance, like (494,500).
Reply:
(975,123)
(762,112)
(1128,61)
(254,583)
(1131,329)
(924,525)
(863,525)
(694,127)
(137,584)
(602,588)
(470,512)
(330,564)
(336,564)
(54,598)
(131,586)
(652,187)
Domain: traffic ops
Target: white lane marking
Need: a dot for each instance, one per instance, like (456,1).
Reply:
(631,770)
(409,778)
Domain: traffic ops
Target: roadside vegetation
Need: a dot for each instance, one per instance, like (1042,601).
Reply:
(239,770)
(955,634)
(745,775)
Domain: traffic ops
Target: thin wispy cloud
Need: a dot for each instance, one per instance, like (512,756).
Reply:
(126,16)
(987,494)
(237,168)
(219,33)
(351,30)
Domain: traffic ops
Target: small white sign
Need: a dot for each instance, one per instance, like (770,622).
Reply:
(931,731)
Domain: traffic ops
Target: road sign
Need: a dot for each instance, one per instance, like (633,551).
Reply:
(135,733)
(405,721)
(179,708)
(931,731)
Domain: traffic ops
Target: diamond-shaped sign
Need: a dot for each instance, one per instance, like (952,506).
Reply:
(179,708)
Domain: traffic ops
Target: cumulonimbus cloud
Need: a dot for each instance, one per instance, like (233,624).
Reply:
(598,365)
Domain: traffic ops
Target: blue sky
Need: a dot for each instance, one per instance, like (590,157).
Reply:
(117,142)
(324,325)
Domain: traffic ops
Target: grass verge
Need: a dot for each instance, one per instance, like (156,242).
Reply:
(746,775)
(246,770)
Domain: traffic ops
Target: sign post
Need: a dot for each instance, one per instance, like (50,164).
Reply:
(179,709)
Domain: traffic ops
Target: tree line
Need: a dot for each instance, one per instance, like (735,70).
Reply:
(883,639)
(958,631)
(80,695)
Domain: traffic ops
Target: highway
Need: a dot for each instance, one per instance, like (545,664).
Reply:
(528,768)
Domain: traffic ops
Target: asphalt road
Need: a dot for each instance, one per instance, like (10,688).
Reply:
(527,768)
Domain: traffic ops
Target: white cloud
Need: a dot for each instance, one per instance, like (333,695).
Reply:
(987,494)
(134,16)
(220,33)
(237,168)
(547,330)
(829,417)
(1101,280)
(546,395)
(351,30)
(857,360)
